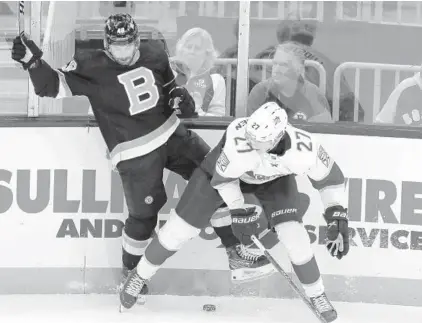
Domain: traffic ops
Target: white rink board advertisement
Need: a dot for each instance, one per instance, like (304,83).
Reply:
(62,208)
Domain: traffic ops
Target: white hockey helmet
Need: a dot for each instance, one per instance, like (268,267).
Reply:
(266,126)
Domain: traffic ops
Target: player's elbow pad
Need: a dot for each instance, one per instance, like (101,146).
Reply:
(45,80)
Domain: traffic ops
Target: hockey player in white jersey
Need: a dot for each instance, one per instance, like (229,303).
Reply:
(260,154)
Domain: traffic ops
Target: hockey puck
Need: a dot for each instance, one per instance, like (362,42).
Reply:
(209,308)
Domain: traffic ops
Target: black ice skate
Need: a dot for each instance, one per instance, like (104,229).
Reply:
(324,307)
(131,290)
(142,295)
(246,266)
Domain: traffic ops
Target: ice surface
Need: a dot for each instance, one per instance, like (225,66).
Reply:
(175,309)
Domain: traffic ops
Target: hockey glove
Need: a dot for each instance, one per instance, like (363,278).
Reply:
(182,102)
(245,223)
(337,241)
(25,51)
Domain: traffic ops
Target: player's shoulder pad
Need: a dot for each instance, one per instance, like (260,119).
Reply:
(153,45)
(82,60)
(153,51)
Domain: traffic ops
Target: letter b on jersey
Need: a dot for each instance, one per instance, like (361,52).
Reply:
(140,88)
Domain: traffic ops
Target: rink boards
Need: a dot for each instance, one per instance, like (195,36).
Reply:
(62,210)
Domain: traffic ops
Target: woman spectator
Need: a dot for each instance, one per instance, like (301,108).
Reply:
(287,86)
(196,49)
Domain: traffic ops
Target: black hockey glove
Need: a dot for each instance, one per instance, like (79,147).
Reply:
(20,53)
(182,102)
(337,241)
(245,223)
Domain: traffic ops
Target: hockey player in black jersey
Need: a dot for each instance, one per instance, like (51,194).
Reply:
(132,92)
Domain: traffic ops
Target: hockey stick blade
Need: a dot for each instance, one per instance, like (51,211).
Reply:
(289,280)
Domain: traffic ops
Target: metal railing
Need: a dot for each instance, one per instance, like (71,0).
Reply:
(230,65)
(358,67)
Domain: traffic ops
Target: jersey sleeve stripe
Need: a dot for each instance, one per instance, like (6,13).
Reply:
(145,144)
(221,218)
(169,83)
(333,178)
(64,89)
(218,180)
(331,187)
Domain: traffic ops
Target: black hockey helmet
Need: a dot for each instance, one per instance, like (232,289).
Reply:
(121,38)
(120,28)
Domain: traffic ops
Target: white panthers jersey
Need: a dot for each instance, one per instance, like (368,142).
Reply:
(303,156)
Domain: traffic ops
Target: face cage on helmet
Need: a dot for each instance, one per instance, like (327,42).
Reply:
(110,40)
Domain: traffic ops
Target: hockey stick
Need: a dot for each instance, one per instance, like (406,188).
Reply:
(289,280)
(49,25)
(21,17)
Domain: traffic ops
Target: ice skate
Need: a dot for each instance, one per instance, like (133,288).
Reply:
(324,307)
(247,266)
(141,297)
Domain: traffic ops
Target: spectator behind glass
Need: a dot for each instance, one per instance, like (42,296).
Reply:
(403,104)
(300,35)
(196,49)
(288,87)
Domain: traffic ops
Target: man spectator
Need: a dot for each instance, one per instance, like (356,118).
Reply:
(299,36)
(287,86)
